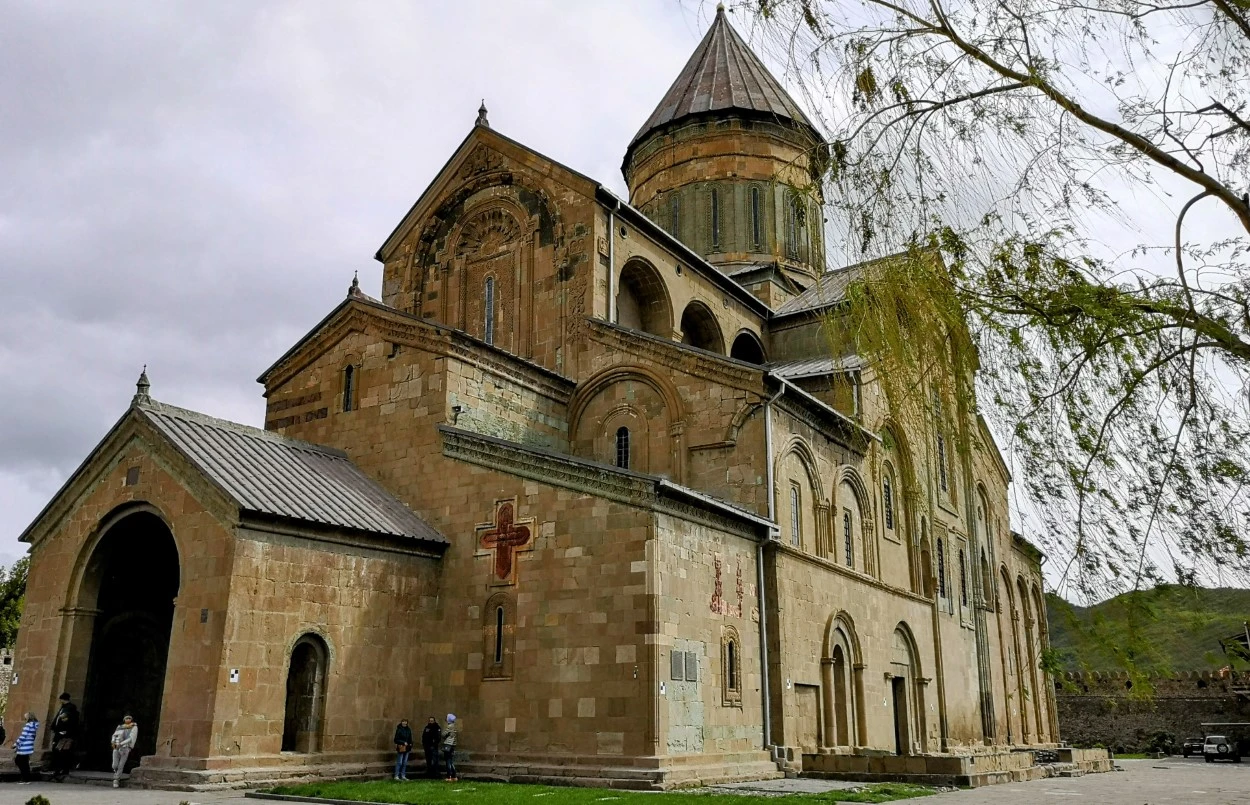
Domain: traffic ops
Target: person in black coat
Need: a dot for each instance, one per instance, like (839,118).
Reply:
(64,733)
(403,747)
(431,737)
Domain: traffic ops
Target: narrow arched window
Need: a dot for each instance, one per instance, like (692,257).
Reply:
(674,214)
(887,495)
(489,336)
(941,460)
(732,671)
(349,388)
(963,579)
(498,635)
(792,229)
(848,537)
(757,218)
(796,538)
(622,448)
(715,217)
(941,560)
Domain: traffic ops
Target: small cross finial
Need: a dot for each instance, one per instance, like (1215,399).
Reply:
(142,389)
(354,289)
(481,115)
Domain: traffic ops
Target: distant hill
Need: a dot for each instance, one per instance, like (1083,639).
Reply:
(1169,628)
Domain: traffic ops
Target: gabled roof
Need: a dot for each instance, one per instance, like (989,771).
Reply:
(267,475)
(816,367)
(723,75)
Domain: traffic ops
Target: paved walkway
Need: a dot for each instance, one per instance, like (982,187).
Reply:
(1143,782)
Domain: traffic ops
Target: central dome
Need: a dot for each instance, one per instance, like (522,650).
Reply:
(729,164)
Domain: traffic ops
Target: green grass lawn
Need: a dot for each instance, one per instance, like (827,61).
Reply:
(437,792)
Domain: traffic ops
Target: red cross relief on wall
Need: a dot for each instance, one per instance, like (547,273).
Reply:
(505,537)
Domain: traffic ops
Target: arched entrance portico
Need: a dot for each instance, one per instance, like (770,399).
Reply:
(129,583)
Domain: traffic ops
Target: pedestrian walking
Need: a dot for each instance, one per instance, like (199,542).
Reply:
(64,733)
(431,737)
(25,747)
(450,734)
(403,747)
(124,738)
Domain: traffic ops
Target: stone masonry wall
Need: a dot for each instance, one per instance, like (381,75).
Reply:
(1100,708)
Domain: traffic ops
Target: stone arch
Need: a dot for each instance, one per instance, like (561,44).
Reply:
(1043,704)
(842,684)
(907,692)
(642,299)
(797,481)
(1014,665)
(699,328)
(851,496)
(739,420)
(924,572)
(303,718)
(637,398)
(731,667)
(747,347)
(127,578)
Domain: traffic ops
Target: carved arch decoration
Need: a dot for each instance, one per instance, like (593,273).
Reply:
(433,251)
(799,446)
(588,391)
(813,502)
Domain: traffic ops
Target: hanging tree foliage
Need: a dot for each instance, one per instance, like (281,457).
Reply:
(1069,178)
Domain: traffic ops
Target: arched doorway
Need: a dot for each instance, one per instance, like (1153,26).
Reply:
(842,686)
(130,580)
(906,701)
(747,347)
(305,695)
(642,300)
(699,328)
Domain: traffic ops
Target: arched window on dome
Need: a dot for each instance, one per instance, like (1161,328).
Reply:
(757,218)
(715,202)
(674,215)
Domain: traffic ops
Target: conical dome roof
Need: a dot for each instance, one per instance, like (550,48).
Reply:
(724,75)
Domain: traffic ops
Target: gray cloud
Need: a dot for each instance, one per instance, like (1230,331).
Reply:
(191,185)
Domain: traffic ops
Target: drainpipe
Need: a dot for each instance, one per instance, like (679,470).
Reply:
(765,692)
(612,262)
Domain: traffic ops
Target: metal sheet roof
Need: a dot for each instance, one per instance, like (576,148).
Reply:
(723,74)
(814,367)
(828,290)
(269,474)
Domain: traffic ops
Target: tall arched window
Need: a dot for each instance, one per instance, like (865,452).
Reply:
(489,331)
(622,448)
(963,579)
(796,538)
(757,218)
(715,217)
(887,497)
(499,619)
(498,622)
(848,537)
(349,388)
(731,668)
(941,562)
(792,228)
(674,214)
(941,461)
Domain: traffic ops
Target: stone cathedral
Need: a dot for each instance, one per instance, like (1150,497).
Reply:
(588,475)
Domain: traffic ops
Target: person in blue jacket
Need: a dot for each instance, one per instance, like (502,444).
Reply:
(25,747)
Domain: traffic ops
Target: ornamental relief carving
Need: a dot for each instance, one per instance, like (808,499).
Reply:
(487,234)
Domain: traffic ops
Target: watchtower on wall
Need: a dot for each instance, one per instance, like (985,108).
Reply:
(729,164)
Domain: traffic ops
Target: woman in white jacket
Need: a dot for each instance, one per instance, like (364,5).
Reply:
(123,741)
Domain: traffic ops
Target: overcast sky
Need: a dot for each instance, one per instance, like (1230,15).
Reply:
(191,185)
